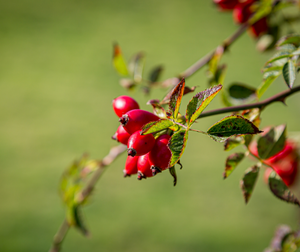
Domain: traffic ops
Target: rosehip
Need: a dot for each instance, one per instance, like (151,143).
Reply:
(226,4)
(260,27)
(143,165)
(121,135)
(135,119)
(130,166)
(123,104)
(284,163)
(242,11)
(139,145)
(160,154)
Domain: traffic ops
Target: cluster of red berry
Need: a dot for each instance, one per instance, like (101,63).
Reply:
(284,163)
(146,155)
(242,11)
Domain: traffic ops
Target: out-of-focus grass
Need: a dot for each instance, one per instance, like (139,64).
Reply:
(57,84)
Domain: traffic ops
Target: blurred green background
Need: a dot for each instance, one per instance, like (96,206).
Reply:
(57,84)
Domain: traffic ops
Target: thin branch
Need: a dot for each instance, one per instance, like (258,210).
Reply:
(203,61)
(261,105)
(112,155)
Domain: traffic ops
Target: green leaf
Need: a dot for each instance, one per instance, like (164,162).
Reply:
(136,66)
(289,39)
(177,145)
(279,56)
(264,9)
(233,142)
(280,190)
(232,125)
(215,59)
(272,142)
(156,126)
(199,102)
(118,61)
(248,182)
(173,174)
(74,218)
(287,47)
(268,79)
(241,93)
(289,73)
(297,52)
(155,73)
(231,162)
(175,99)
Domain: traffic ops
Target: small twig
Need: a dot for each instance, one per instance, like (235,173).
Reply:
(112,155)
(261,105)
(203,61)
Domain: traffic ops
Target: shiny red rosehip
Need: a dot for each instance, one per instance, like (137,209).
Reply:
(123,104)
(135,119)
(139,145)
(160,154)
(121,135)
(130,166)
(143,165)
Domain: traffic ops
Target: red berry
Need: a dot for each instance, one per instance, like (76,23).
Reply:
(226,4)
(260,27)
(143,165)
(130,166)
(242,11)
(288,148)
(139,145)
(160,155)
(121,135)
(284,163)
(135,119)
(123,104)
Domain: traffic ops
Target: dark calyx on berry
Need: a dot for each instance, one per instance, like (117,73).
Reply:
(131,152)
(124,119)
(155,170)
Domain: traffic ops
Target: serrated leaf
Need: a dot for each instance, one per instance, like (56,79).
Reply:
(289,73)
(156,126)
(177,145)
(241,93)
(287,48)
(279,56)
(248,182)
(175,99)
(118,61)
(136,66)
(173,174)
(280,190)
(272,142)
(268,79)
(233,142)
(155,73)
(231,163)
(199,102)
(289,39)
(232,125)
